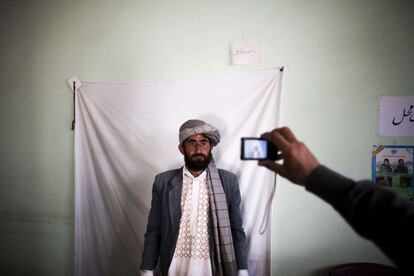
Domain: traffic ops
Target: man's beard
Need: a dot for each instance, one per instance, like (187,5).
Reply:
(195,164)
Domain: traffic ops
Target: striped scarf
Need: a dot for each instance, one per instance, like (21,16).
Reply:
(223,240)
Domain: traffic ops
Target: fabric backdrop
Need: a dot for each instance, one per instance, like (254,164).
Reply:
(127,133)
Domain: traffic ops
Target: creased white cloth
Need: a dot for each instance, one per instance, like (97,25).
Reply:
(127,133)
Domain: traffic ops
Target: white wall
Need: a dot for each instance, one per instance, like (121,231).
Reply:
(339,56)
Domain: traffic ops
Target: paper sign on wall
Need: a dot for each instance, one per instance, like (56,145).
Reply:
(396,116)
(245,52)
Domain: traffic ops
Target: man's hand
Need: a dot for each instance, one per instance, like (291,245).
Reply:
(298,161)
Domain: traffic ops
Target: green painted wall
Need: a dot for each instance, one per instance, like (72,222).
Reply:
(340,56)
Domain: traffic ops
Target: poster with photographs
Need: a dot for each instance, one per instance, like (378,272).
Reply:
(392,167)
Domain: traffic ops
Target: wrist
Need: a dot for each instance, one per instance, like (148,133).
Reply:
(310,174)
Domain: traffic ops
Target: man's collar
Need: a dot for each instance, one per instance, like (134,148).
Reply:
(187,173)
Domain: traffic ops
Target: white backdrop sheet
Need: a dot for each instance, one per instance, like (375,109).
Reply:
(125,134)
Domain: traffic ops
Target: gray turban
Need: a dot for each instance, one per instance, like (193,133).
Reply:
(194,127)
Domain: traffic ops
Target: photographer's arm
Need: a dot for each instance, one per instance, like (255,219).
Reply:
(375,213)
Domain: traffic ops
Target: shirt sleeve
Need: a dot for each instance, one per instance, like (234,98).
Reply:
(152,236)
(147,273)
(374,212)
(243,272)
(236,222)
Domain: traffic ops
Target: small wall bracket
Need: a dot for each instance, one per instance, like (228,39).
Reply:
(74,83)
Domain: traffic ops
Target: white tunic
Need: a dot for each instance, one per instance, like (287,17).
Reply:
(192,252)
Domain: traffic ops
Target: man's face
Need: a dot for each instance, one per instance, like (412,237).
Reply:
(197,152)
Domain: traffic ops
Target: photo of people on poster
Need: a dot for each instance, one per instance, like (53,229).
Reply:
(392,167)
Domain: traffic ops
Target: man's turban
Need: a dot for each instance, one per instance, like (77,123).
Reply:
(195,127)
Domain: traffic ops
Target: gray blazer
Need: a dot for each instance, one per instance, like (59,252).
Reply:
(165,213)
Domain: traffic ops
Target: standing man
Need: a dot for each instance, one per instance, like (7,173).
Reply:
(194,224)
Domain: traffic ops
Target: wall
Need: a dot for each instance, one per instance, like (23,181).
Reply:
(339,56)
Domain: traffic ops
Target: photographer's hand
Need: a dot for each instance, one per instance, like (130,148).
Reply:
(298,161)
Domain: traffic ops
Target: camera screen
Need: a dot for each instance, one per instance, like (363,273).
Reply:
(254,149)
